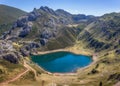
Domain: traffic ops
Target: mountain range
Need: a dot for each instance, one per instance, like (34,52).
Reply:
(23,34)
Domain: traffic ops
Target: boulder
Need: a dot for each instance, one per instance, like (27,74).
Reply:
(24,33)
(31,46)
(50,23)
(34,45)
(32,17)
(24,52)
(22,21)
(46,34)
(11,57)
(117,51)
(43,41)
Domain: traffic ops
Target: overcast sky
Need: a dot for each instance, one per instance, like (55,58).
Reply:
(89,7)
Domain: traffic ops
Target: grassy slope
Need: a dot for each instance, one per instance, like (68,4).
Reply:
(9,14)
(99,72)
(8,70)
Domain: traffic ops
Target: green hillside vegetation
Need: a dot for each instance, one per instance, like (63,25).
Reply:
(8,70)
(9,14)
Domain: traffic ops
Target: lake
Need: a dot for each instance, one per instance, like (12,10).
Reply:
(61,62)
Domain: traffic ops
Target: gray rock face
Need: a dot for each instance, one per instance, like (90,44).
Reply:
(10,57)
(48,10)
(6,46)
(8,52)
(31,46)
(46,34)
(117,51)
(24,52)
(34,45)
(43,41)
(25,31)
(21,21)
(50,23)
(24,22)
(33,15)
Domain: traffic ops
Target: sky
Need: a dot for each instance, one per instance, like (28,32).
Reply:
(88,7)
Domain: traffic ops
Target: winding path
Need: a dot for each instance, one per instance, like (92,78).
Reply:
(28,68)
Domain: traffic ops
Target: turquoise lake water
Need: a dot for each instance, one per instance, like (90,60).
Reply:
(61,62)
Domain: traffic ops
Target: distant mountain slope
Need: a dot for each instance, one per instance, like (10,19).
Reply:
(103,33)
(9,14)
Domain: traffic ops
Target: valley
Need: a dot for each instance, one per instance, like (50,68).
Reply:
(44,31)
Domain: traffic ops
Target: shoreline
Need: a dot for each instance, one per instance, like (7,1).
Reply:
(75,51)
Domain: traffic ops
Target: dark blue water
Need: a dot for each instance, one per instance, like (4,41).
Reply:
(61,62)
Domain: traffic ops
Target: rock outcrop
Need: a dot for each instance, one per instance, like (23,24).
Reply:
(10,57)
(8,52)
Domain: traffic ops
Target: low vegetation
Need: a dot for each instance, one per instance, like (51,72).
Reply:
(9,70)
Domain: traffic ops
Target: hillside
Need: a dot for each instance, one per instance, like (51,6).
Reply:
(9,14)
(45,29)
(103,33)
(103,37)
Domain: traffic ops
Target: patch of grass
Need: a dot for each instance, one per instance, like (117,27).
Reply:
(105,70)
(28,78)
(4,28)
(9,14)
(9,70)
(16,46)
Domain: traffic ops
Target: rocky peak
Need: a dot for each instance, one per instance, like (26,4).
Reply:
(63,12)
(47,9)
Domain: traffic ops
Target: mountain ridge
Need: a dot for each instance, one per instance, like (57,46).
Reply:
(44,29)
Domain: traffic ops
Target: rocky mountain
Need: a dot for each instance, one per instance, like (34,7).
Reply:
(51,27)
(46,29)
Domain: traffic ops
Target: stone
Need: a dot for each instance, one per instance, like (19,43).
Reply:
(24,33)
(24,52)
(11,57)
(43,41)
